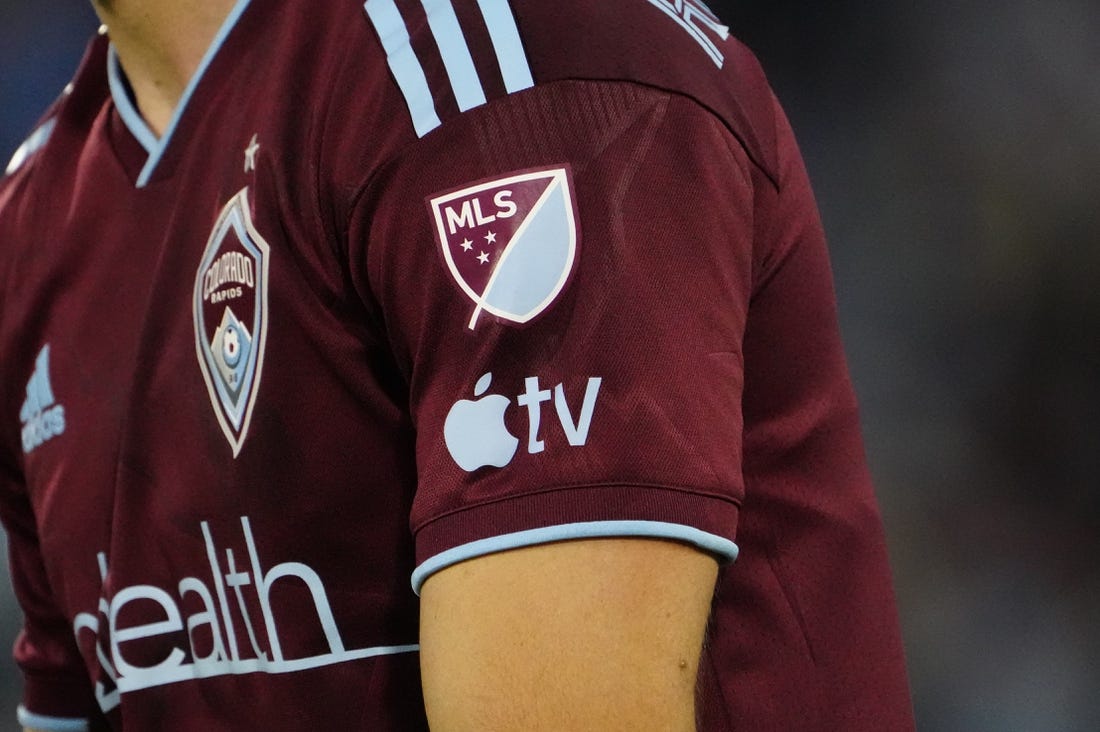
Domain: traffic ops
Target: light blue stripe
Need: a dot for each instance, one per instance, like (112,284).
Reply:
(724,549)
(125,105)
(158,152)
(31,145)
(456,54)
(509,46)
(404,65)
(30,720)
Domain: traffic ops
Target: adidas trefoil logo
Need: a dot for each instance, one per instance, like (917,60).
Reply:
(42,419)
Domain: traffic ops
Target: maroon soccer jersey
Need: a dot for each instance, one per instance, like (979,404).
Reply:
(404,284)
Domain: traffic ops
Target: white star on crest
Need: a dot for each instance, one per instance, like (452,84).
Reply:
(467,245)
(491,237)
(483,258)
(250,153)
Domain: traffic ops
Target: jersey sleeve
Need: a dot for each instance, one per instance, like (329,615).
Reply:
(581,375)
(57,694)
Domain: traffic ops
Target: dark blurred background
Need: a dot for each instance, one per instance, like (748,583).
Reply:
(955,150)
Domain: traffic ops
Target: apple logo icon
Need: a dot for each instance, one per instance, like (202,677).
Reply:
(475,432)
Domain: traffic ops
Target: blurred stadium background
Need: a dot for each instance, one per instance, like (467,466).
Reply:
(954,149)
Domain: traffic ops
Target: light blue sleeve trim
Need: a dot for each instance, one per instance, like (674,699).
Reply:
(49,724)
(157,152)
(125,105)
(724,549)
(404,65)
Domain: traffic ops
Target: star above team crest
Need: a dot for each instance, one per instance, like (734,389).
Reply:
(250,153)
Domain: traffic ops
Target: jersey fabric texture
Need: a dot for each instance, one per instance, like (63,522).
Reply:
(404,284)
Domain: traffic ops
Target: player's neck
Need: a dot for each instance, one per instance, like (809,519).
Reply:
(160,44)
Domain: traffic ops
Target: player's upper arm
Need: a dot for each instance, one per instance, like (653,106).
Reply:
(579,635)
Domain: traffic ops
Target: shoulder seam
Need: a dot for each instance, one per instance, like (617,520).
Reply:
(752,156)
(432,64)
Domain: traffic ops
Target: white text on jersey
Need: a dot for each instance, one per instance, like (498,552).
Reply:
(221,651)
(699,22)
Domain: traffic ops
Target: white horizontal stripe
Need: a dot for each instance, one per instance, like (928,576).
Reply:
(507,43)
(404,65)
(209,669)
(30,720)
(720,547)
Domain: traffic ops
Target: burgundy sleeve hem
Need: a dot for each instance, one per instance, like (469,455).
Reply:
(60,696)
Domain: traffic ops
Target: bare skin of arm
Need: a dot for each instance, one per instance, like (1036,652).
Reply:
(582,635)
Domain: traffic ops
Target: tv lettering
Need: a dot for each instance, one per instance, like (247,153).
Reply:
(477,436)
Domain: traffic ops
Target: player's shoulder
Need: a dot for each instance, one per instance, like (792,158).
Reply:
(450,56)
(49,152)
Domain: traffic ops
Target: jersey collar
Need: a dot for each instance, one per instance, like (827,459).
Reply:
(131,117)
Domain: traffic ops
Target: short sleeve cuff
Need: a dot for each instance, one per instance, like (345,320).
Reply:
(30,720)
(723,549)
(707,522)
(57,702)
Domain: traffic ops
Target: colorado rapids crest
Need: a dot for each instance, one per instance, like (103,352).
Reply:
(230,312)
(510,243)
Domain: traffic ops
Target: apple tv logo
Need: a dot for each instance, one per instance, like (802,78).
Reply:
(477,436)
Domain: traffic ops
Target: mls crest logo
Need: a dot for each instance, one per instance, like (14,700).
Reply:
(510,243)
(230,311)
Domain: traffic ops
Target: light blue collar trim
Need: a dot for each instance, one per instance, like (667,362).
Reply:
(132,118)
